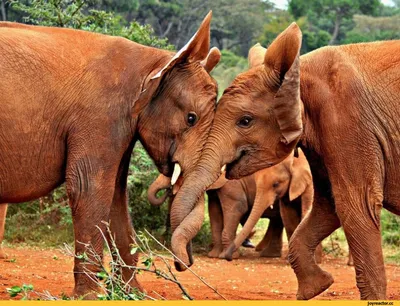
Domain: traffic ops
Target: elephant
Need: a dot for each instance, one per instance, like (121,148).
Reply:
(340,105)
(288,183)
(74,103)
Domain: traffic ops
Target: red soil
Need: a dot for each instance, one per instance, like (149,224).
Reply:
(249,278)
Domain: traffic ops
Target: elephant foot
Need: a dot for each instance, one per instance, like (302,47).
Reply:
(313,285)
(271,252)
(214,253)
(235,255)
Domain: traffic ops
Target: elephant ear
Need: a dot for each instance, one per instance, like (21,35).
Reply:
(195,50)
(213,58)
(282,58)
(256,55)
(301,176)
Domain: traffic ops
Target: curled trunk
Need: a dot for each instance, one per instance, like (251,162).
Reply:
(162,182)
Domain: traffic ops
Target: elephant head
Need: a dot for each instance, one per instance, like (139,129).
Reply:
(257,124)
(292,176)
(176,107)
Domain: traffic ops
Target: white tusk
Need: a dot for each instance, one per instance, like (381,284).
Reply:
(223,168)
(175,175)
(272,206)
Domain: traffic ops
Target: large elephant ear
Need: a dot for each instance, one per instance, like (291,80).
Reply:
(256,55)
(195,50)
(301,176)
(282,57)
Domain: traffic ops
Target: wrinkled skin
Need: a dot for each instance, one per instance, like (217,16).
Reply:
(3,214)
(289,182)
(79,101)
(343,111)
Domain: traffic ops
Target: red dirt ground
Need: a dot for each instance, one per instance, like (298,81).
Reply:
(249,278)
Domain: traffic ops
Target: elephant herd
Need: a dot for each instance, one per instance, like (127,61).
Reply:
(74,103)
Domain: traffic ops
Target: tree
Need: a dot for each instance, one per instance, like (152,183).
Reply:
(236,23)
(368,28)
(332,16)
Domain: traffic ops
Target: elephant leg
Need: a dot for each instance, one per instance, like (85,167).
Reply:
(231,223)
(120,224)
(3,214)
(317,225)
(275,233)
(216,222)
(291,215)
(360,218)
(291,212)
(90,183)
(266,239)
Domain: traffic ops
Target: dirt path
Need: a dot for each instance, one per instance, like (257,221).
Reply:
(249,278)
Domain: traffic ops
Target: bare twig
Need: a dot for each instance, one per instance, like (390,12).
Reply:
(194,273)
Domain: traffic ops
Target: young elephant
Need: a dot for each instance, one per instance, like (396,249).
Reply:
(64,92)
(290,182)
(341,105)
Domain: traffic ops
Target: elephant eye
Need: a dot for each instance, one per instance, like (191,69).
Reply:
(191,118)
(275,185)
(245,121)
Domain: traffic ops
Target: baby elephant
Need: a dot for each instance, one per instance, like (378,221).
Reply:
(290,182)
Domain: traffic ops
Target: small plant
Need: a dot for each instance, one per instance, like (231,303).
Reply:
(25,290)
(109,278)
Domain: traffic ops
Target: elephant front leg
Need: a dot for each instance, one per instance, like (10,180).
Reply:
(316,226)
(121,227)
(274,234)
(3,214)
(216,222)
(90,186)
(231,223)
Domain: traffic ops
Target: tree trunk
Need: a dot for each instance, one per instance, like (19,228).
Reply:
(335,33)
(3,10)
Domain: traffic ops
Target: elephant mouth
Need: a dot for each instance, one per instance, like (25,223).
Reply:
(233,167)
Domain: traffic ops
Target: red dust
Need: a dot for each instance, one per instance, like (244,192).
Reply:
(248,278)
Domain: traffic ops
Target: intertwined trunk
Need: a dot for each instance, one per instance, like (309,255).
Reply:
(187,211)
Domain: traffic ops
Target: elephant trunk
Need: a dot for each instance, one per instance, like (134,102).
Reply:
(162,182)
(260,205)
(187,213)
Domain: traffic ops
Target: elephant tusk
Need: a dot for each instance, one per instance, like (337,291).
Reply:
(223,168)
(175,175)
(272,206)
